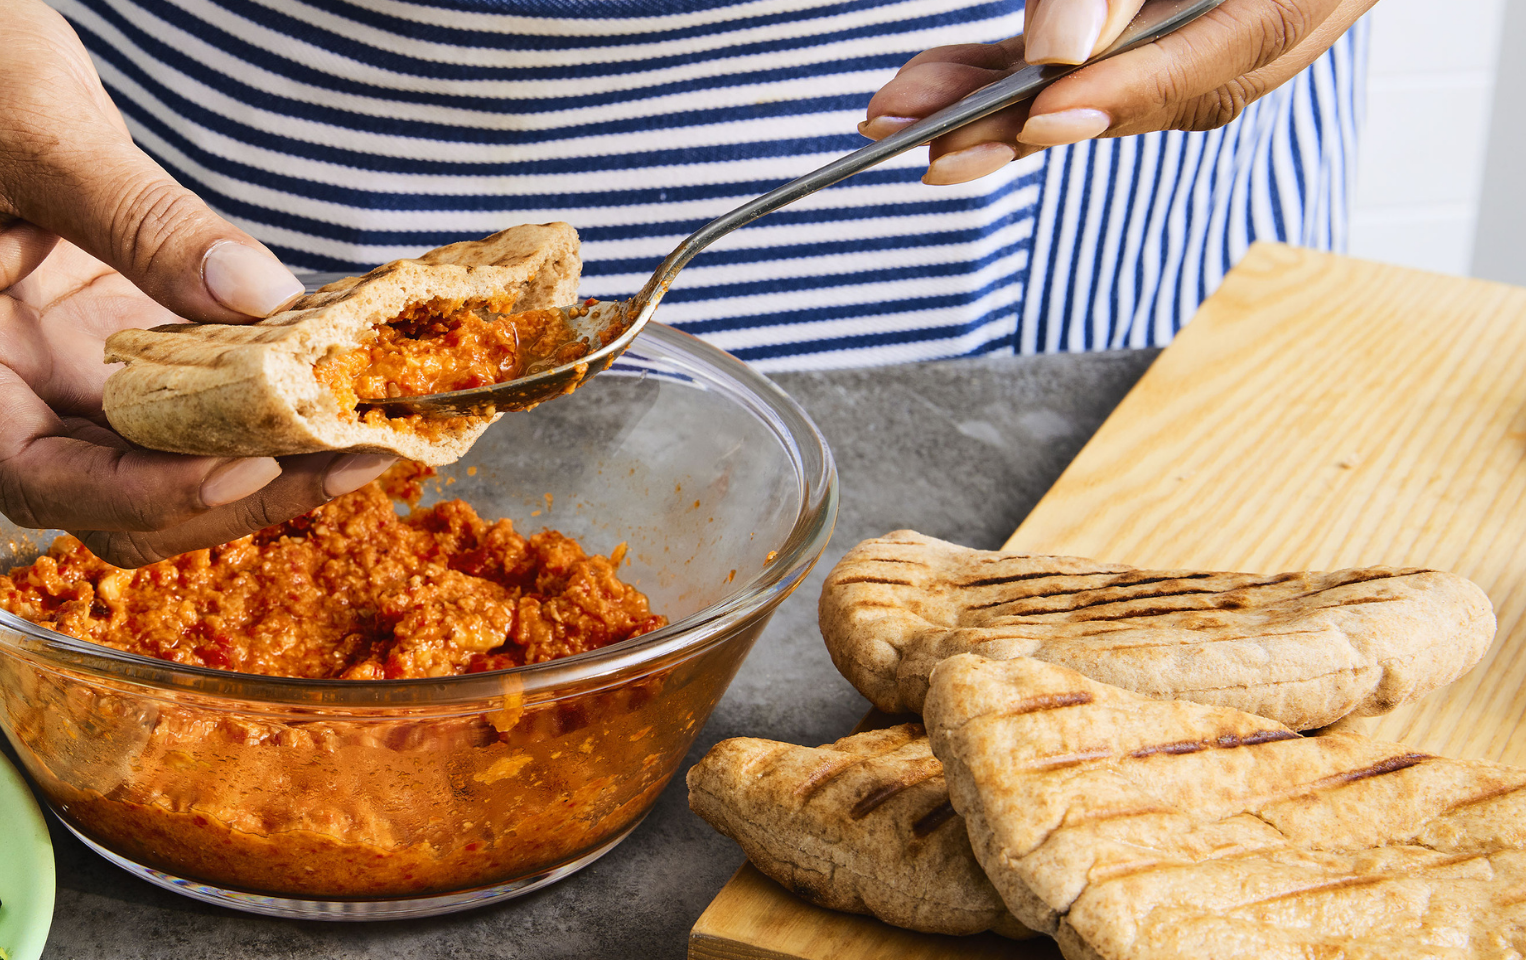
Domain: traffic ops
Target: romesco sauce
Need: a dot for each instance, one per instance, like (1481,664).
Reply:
(350,590)
(439,346)
(336,802)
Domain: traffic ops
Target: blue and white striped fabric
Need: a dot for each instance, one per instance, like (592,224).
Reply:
(343,133)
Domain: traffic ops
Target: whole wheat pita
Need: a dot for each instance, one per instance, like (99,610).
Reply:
(1136,829)
(249,390)
(862,825)
(1302,648)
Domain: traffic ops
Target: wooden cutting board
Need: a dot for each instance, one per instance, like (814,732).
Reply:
(1319,412)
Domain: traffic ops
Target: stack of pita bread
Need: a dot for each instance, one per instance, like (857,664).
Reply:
(225,390)
(1112,757)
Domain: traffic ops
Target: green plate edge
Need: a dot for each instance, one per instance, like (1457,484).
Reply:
(27,878)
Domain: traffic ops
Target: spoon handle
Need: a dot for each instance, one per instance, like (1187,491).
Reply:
(1155,19)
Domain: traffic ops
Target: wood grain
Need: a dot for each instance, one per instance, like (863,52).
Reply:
(1321,412)
(1318,412)
(754,918)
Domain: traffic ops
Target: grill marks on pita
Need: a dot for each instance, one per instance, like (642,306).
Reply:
(1141,596)
(1254,842)
(863,825)
(897,783)
(1109,588)
(1139,827)
(1302,648)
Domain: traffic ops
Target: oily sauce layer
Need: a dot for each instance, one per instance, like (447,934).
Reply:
(351,590)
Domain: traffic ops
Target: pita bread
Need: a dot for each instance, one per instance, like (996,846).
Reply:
(248,390)
(1143,829)
(1301,648)
(861,825)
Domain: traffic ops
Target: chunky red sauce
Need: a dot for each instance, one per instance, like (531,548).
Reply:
(376,802)
(351,590)
(439,346)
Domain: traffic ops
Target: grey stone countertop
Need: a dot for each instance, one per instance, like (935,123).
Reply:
(960,450)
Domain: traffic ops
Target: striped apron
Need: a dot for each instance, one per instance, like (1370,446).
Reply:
(343,133)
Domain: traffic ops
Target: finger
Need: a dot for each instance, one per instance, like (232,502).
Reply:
(70,482)
(23,246)
(948,74)
(1002,55)
(978,149)
(68,166)
(1159,86)
(1071,31)
(74,473)
(974,162)
(927,87)
(305,482)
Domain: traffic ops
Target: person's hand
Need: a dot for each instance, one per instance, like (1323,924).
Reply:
(1200,77)
(95,237)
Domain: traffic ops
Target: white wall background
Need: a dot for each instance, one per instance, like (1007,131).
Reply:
(1420,176)
(1499,244)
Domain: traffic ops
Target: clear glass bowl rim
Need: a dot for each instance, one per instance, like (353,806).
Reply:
(815,472)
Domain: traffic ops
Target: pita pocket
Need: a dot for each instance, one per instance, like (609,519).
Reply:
(250,390)
(1137,829)
(862,825)
(1304,649)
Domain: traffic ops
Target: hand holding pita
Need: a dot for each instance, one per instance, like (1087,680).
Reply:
(95,237)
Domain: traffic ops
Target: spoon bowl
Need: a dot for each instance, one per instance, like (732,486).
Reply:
(603,327)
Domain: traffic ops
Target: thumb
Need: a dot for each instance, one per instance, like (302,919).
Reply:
(68,165)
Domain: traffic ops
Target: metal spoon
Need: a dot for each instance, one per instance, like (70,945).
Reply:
(597,322)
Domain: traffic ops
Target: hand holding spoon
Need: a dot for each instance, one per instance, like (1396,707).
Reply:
(608,327)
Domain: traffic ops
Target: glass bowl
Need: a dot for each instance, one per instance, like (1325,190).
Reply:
(375,799)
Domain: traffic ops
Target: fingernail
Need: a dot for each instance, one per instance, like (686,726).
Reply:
(237,479)
(1064,31)
(352,471)
(248,280)
(971,163)
(881,127)
(1064,126)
